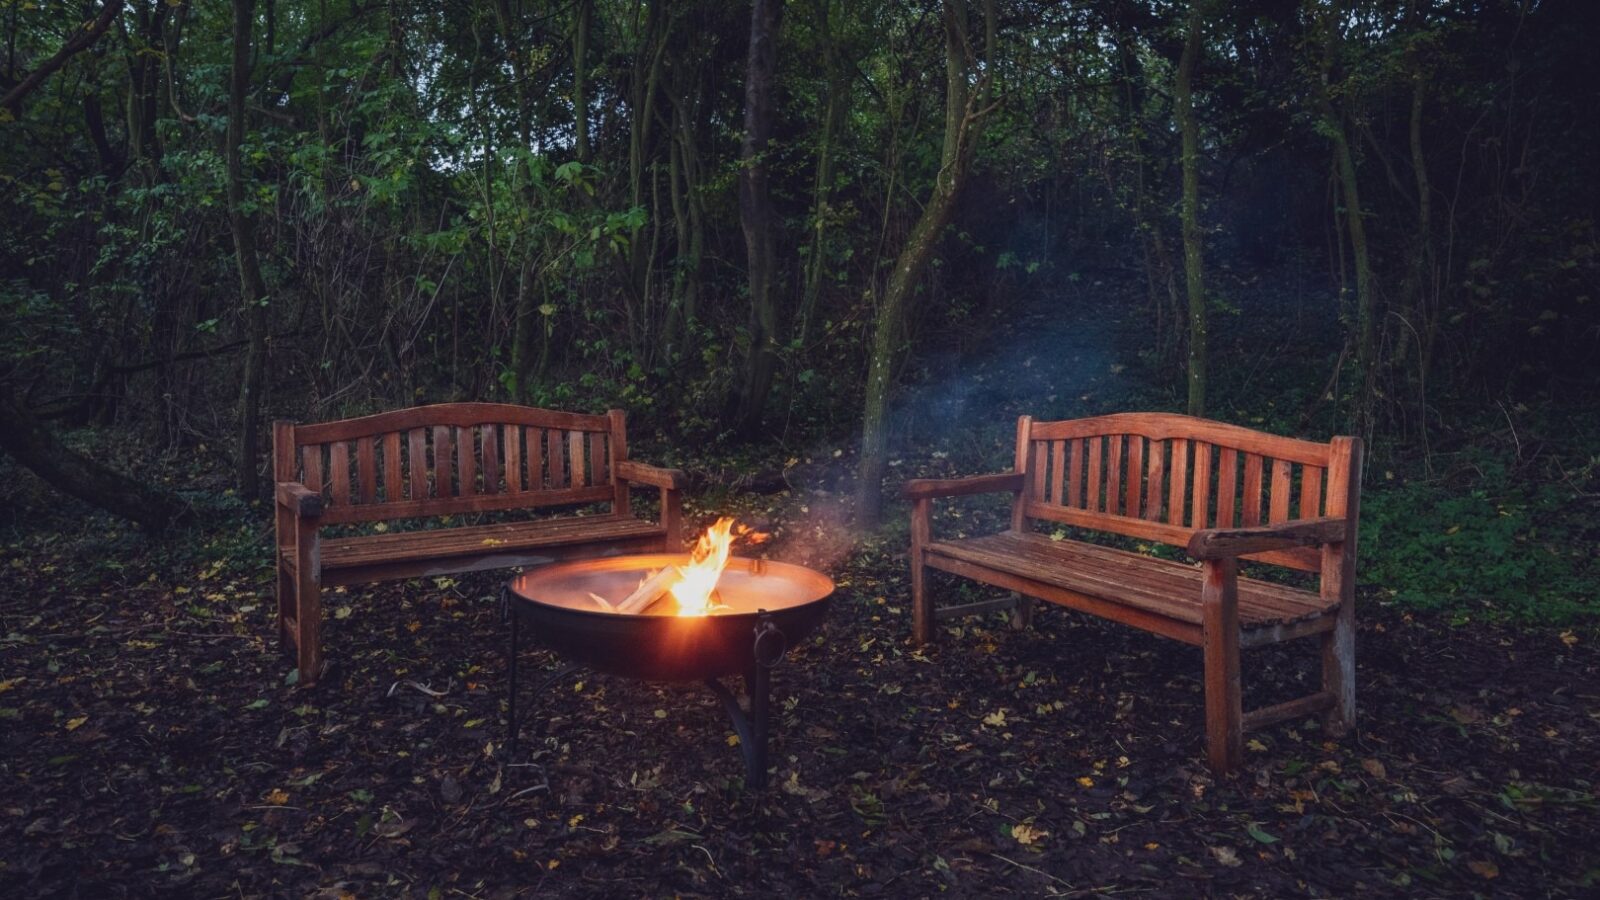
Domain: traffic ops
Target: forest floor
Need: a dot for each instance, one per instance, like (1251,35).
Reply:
(149,744)
(152,740)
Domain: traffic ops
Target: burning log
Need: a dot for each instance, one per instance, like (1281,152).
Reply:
(650,590)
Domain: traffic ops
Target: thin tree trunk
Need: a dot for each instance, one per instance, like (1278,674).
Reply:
(1193,251)
(822,184)
(964,113)
(523,320)
(1364,327)
(253,291)
(580,80)
(757,218)
(33,446)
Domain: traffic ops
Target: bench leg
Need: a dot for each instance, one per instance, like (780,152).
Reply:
(922,630)
(1339,676)
(1220,642)
(308,605)
(1022,613)
(286,605)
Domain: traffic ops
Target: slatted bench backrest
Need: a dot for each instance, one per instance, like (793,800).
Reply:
(1162,477)
(452,458)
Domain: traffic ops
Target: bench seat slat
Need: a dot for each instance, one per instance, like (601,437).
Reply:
(1157,586)
(349,552)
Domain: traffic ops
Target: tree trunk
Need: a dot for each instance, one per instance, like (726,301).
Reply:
(822,184)
(1364,328)
(523,314)
(70,472)
(253,289)
(1193,251)
(964,113)
(757,218)
(580,80)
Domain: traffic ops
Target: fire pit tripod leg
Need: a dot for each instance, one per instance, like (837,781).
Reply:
(752,726)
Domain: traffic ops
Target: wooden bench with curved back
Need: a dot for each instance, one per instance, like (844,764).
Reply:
(450,459)
(1224,493)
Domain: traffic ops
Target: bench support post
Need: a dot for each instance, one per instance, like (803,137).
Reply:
(1220,641)
(1022,612)
(308,601)
(922,619)
(1339,584)
(1339,648)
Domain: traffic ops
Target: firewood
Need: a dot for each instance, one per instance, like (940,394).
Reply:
(649,591)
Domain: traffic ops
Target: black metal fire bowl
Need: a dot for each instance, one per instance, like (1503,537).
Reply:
(658,645)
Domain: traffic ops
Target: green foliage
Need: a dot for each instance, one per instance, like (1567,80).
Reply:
(1494,546)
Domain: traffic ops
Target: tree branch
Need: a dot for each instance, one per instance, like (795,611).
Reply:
(82,39)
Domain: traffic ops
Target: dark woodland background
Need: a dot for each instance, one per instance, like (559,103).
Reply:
(813,249)
(216,215)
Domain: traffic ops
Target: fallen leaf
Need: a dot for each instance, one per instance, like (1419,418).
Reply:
(1227,856)
(76,723)
(1374,768)
(1484,870)
(1261,835)
(1027,835)
(996,718)
(277,797)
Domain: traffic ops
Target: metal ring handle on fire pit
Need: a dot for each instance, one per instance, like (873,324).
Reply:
(767,631)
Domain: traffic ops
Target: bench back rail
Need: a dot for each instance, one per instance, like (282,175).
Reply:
(453,458)
(1162,477)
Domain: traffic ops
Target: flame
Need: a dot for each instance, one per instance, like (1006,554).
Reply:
(698,579)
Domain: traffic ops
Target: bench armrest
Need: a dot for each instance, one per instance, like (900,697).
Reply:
(654,476)
(299,499)
(1229,543)
(929,488)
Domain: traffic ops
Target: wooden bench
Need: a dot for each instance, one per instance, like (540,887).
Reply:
(451,459)
(1222,492)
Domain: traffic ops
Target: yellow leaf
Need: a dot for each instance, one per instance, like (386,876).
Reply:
(10,683)
(413,626)
(733,740)
(1086,781)
(1568,638)
(996,718)
(277,797)
(1374,768)
(75,724)
(1027,835)
(573,822)
(1256,745)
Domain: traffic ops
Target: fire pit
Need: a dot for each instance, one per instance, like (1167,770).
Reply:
(701,616)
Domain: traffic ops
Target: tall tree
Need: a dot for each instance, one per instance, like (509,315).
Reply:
(1193,234)
(965,108)
(757,218)
(836,105)
(253,290)
(1331,123)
